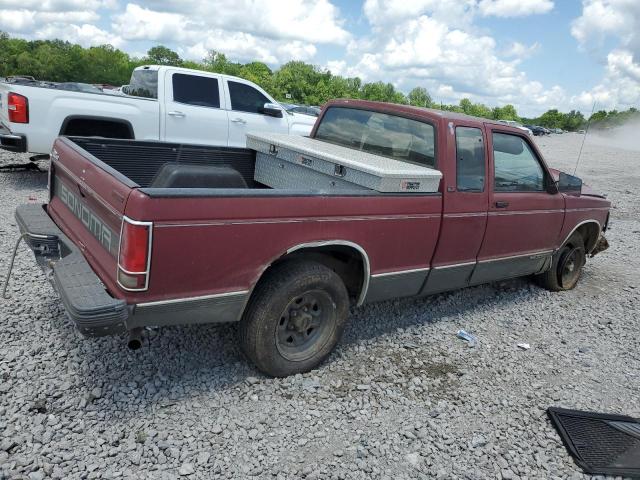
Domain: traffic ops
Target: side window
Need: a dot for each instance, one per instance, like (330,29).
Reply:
(196,90)
(245,98)
(516,167)
(381,134)
(470,162)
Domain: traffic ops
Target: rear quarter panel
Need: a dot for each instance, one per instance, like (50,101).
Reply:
(48,108)
(214,245)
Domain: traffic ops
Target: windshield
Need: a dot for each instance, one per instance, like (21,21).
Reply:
(143,83)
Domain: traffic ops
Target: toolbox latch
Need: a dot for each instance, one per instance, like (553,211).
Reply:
(339,171)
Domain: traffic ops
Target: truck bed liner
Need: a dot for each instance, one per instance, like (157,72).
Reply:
(140,161)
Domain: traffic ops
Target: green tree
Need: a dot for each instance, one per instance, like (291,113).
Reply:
(382,92)
(259,73)
(161,55)
(217,62)
(419,97)
(508,112)
(106,64)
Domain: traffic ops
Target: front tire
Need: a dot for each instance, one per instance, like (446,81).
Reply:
(294,319)
(566,266)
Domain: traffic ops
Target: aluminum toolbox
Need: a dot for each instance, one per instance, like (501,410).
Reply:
(288,161)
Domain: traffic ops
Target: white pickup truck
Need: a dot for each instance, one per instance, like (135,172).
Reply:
(160,103)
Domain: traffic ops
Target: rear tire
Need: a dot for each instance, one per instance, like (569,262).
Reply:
(566,266)
(294,319)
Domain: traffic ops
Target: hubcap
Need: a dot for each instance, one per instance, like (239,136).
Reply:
(304,325)
(569,268)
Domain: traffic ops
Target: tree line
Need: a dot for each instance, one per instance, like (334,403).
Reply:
(294,82)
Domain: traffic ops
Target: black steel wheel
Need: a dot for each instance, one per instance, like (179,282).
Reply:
(570,266)
(566,266)
(305,322)
(294,319)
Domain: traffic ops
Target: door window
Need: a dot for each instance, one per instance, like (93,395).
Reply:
(196,90)
(470,162)
(378,133)
(516,168)
(245,98)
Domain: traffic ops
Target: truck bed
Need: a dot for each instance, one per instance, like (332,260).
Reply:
(141,161)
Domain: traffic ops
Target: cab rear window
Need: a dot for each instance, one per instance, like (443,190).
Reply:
(143,83)
(379,133)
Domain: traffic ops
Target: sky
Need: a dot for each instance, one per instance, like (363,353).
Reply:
(534,54)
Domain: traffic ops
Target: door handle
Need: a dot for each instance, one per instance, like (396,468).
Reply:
(175,113)
(502,204)
(239,120)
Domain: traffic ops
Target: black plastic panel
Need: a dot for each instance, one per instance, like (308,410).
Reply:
(600,443)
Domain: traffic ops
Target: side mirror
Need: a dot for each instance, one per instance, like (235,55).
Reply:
(271,109)
(569,184)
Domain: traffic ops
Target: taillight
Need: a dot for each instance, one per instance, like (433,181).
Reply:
(18,108)
(134,256)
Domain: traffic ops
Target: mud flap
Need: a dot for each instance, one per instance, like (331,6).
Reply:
(600,443)
(601,246)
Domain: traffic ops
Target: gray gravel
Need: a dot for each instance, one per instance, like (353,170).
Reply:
(402,397)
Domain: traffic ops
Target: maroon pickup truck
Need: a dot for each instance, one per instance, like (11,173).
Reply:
(128,250)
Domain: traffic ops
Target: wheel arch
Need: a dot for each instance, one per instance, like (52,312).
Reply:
(121,124)
(590,231)
(339,255)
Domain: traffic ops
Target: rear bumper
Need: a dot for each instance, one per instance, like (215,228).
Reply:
(12,142)
(88,305)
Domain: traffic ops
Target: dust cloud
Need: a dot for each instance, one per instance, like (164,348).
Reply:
(626,137)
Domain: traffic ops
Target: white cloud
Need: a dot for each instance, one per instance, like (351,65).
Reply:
(451,62)
(451,12)
(617,21)
(514,8)
(17,21)
(521,51)
(138,23)
(198,37)
(600,18)
(86,35)
(311,21)
(56,5)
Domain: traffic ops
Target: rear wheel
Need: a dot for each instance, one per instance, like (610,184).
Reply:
(566,266)
(294,319)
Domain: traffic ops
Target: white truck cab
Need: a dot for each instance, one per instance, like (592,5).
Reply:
(160,103)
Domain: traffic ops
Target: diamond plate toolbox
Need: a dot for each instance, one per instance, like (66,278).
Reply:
(294,162)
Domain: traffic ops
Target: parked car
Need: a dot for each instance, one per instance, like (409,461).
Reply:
(513,123)
(536,130)
(130,248)
(305,110)
(558,130)
(160,103)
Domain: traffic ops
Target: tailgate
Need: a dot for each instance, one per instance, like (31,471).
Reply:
(87,202)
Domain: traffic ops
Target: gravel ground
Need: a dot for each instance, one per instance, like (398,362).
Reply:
(402,397)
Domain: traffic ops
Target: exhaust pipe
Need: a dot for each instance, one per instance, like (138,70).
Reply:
(135,339)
